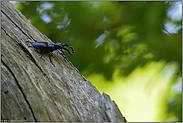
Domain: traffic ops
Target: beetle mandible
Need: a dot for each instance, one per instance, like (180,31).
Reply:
(44,47)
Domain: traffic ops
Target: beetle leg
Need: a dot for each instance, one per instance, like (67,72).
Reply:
(50,59)
(42,54)
(62,53)
(64,44)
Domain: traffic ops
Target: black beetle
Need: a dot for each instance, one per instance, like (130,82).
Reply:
(44,47)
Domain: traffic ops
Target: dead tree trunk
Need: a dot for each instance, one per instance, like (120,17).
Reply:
(32,89)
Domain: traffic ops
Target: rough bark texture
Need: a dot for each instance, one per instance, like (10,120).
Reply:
(32,89)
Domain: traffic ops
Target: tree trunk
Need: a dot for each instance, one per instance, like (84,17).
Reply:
(32,89)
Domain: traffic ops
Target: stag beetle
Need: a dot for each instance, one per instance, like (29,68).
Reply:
(44,47)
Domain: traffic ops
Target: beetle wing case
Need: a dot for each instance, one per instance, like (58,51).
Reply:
(40,46)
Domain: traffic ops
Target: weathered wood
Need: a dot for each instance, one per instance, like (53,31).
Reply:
(32,89)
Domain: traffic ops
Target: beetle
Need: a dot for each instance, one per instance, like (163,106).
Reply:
(44,47)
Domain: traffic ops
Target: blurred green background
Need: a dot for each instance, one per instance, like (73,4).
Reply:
(130,50)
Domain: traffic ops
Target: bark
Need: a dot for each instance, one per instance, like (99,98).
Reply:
(32,89)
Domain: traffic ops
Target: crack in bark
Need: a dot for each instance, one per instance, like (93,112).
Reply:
(26,51)
(38,95)
(56,107)
(16,25)
(21,90)
(23,48)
